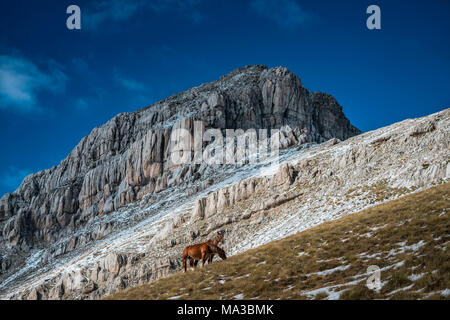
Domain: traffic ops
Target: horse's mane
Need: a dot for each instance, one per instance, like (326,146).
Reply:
(217,239)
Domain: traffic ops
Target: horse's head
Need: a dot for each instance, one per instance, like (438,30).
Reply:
(221,253)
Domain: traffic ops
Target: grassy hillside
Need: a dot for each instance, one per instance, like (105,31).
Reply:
(407,238)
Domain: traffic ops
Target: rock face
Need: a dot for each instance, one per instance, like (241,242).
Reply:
(128,158)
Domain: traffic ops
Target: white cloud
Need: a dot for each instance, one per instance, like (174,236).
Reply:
(21,81)
(285,13)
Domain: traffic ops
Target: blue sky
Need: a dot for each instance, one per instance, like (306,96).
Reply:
(56,85)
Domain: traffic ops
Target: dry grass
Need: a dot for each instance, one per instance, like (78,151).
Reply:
(380,191)
(408,236)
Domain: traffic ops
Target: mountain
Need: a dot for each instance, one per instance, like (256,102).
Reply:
(118,211)
(128,157)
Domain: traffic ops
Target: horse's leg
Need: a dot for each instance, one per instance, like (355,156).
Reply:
(204,258)
(211,257)
(184,263)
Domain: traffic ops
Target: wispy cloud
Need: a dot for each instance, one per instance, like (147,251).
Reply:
(103,11)
(115,10)
(13,177)
(81,104)
(141,94)
(21,81)
(285,13)
(127,82)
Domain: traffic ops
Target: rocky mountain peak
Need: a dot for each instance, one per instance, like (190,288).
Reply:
(127,159)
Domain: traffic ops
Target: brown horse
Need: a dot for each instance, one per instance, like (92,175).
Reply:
(212,251)
(201,251)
